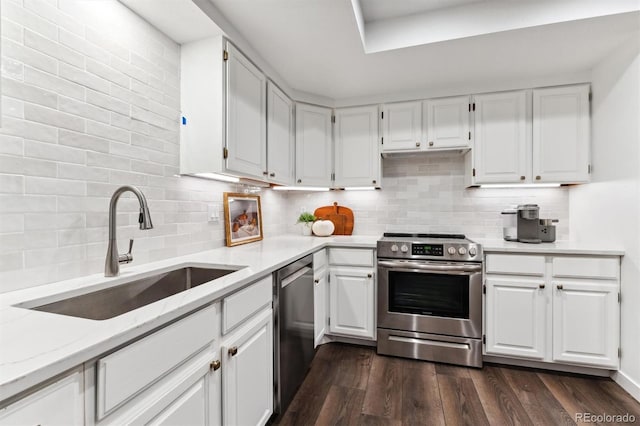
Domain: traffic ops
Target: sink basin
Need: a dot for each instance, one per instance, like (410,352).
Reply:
(114,301)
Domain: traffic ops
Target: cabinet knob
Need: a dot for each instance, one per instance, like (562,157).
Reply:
(522,178)
(272,174)
(374,181)
(559,286)
(215,365)
(316,281)
(265,173)
(538,178)
(299,180)
(541,286)
(418,144)
(233,350)
(369,275)
(430,143)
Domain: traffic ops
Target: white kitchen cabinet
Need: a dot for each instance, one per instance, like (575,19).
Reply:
(561,134)
(280,136)
(352,302)
(314,165)
(446,123)
(357,156)
(559,309)
(58,404)
(502,138)
(401,126)
(188,409)
(320,295)
(246,115)
(247,372)
(516,316)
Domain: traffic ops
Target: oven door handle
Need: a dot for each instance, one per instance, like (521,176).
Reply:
(430,267)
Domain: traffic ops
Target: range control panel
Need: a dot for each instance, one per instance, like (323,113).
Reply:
(427,249)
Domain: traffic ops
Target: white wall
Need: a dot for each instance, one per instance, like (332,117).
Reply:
(426,194)
(607,210)
(90,98)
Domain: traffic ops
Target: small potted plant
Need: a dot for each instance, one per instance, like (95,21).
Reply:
(306,219)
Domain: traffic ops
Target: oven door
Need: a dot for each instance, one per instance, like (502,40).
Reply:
(430,297)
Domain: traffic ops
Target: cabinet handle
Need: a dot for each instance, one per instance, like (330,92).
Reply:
(215,365)
(233,350)
(522,178)
(369,275)
(299,180)
(541,286)
(272,174)
(316,281)
(373,182)
(430,143)
(538,178)
(418,144)
(265,173)
(559,286)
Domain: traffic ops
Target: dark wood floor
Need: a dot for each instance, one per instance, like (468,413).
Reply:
(352,385)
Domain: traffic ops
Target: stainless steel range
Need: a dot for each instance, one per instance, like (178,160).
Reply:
(430,298)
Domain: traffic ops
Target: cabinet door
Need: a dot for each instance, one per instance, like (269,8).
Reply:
(247,373)
(586,317)
(191,408)
(313,145)
(357,157)
(280,138)
(502,145)
(561,134)
(60,403)
(246,116)
(516,317)
(352,302)
(446,123)
(401,126)
(319,304)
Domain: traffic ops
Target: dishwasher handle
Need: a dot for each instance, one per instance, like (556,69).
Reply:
(291,278)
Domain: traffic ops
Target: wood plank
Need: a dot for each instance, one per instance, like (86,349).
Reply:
(460,401)
(421,403)
(343,406)
(452,370)
(368,420)
(383,397)
(353,366)
(500,403)
(622,398)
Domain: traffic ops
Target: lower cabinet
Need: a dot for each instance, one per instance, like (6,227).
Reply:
(247,372)
(60,403)
(320,285)
(562,309)
(189,409)
(352,302)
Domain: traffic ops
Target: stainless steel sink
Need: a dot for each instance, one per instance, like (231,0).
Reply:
(114,301)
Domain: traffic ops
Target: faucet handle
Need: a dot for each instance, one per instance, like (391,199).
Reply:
(127,257)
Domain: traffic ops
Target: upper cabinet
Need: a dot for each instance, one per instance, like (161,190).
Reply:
(502,150)
(446,123)
(246,115)
(313,145)
(357,156)
(401,126)
(561,134)
(535,136)
(280,136)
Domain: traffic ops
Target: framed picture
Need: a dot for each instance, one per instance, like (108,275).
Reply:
(242,218)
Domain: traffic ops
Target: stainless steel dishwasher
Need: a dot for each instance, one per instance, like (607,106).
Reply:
(293,333)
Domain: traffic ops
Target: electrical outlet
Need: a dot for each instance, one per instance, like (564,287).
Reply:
(213,212)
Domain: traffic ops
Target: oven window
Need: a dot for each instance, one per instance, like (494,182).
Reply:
(429,294)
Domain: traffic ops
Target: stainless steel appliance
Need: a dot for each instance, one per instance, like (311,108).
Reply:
(528,219)
(547,230)
(293,329)
(430,298)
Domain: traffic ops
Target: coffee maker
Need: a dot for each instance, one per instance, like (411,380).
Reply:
(528,221)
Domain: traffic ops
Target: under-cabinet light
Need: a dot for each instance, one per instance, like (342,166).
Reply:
(216,176)
(299,188)
(360,188)
(521,185)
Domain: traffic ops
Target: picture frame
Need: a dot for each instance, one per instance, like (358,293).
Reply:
(242,218)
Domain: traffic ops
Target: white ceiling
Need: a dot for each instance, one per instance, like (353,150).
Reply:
(315,46)
(374,10)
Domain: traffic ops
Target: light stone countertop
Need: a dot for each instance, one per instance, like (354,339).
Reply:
(36,346)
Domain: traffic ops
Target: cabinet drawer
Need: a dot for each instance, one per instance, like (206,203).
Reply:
(126,372)
(586,267)
(241,305)
(319,259)
(351,257)
(514,264)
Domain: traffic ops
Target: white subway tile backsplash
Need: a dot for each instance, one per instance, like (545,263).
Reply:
(51,48)
(53,83)
(28,56)
(12,68)
(79,44)
(107,102)
(19,90)
(27,203)
(96,159)
(12,107)
(83,141)
(12,223)
(52,117)
(106,131)
(11,261)
(12,30)
(108,73)
(83,78)
(47,151)
(27,166)
(39,185)
(82,109)
(28,19)
(11,184)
